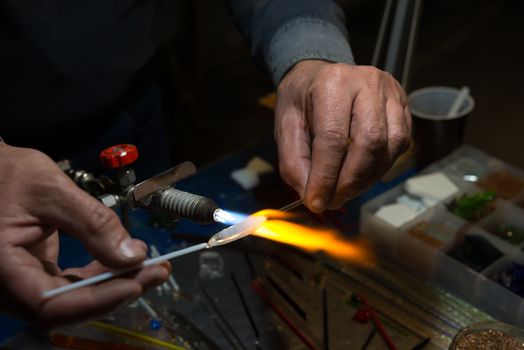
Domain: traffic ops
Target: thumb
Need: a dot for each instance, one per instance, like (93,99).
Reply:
(60,203)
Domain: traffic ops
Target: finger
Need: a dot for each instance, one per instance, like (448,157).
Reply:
(293,145)
(47,249)
(409,119)
(380,166)
(145,276)
(26,281)
(399,132)
(331,115)
(96,300)
(399,140)
(85,303)
(368,151)
(47,252)
(66,206)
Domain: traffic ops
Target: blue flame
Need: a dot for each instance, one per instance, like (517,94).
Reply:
(228,217)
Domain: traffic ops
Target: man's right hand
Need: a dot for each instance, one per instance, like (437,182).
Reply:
(38,199)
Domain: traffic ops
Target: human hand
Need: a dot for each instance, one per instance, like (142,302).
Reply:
(320,107)
(37,200)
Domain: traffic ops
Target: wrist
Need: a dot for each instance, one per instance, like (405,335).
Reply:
(306,38)
(301,71)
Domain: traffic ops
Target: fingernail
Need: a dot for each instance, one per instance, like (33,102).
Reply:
(318,205)
(132,248)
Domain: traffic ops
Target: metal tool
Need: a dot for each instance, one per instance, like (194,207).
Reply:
(157,193)
(292,205)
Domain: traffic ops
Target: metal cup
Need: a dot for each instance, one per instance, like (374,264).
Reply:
(434,132)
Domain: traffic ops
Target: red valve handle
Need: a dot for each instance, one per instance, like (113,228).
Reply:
(118,156)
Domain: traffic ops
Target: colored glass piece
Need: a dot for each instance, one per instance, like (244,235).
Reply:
(503,183)
(473,207)
(476,252)
(513,278)
(155,324)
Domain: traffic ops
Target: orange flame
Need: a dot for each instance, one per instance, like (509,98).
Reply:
(276,228)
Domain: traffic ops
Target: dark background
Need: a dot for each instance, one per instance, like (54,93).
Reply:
(212,85)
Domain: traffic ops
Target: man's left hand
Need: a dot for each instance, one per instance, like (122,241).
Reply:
(338,128)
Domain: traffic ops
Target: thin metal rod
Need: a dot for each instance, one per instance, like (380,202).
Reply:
(421,345)
(369,339)
(246,309)
(148,308)
(413,29)
(298,332)
(107,275)
(292,205)
(221,317)
(379,45)
(325,318)
(396,37)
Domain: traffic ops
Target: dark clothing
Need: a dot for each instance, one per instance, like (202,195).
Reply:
(284,32)
(70,69)
(73,72)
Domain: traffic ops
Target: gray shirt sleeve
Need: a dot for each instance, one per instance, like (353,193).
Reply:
(283,32)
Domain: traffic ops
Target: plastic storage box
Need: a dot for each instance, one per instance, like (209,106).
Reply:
(479,258)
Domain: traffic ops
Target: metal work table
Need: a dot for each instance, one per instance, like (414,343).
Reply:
(317,297)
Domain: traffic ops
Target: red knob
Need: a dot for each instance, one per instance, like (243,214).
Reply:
(118,156)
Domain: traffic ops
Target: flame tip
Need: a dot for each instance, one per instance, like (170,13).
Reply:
(311,239)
